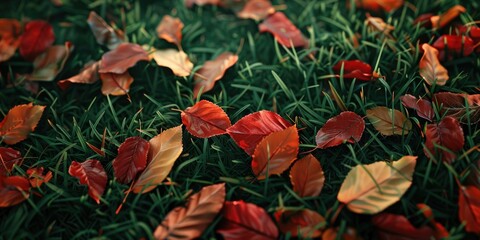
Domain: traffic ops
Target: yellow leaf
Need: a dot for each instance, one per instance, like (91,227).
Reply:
(431,69)
(176,60)
(389,121)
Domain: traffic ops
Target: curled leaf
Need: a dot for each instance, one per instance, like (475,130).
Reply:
(120,59)
(13,190)
(431,69)
(19,122)
(170,29)
(346,127)
(104,33)
(389,121)
(422,107)
(307,176)
(256,10)
(37,178)
(302,223)
(88,75)
(354,69)
(92,174)
(205,119)
(36,38)
(10,31)
(131,159)
(284,31)
(212,71)
(177,61)
(446,138)
(445,18)
(47,65)
(8,158)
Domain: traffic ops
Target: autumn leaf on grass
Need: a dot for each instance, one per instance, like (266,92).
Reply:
(205,119)
(463,107)
(452,46)
(88,75)
(131,159)
(354,69)
(104,34)
(444,138)
(445,18)
(176,60)
(377,5)
(440,231)
(189,3)
(301,223)
(19,122)
(92,174)
(469,208)
(389,121)
(116,84)
(430,68)
(346,127)
(348,234)
(8,158)
(212,71)
(369,189)
(378,25)
(251,129)
(307,177)
(190,221)
(170,29)
(37,37)
(393,226)
(13,190)
(120,59)
(275,153)
(10,37)
(47,65)
(284,31)
(164,150)
(256,10)
(422,107)
(37,178)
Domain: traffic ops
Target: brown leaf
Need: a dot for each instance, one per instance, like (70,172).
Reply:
(213,71)
(177,61)
(423,107)
(189,3)
(307,176)
(88,75)
(445,18)
(461,106)
(389,121)
(10,31)
(170,29)
(19,122)
(190,221)
(378,25)
(284,31)
(256,10)
(430,67)
(302,223)
(125,56)
(104,34)
(47,65)
(116,84)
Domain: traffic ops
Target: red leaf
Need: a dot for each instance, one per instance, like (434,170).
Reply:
(88,75)
(19,122)
(307,176)
(469,208)
(104,34)
(305,223)
(283,30)
(8,158)
(451,46)
(440,231)
(354,69)
(212,71)
(422,107)
(13,190)
(348,234)
(256,10)
(131,159)
(243,220)
(47,65)
(397,227)
(10,38)
(92,174)
(125,56)
(346,127)
(446,134)
(377,5)
(463,107)
(205,119)
(37,37)
(37,178)
(251,129)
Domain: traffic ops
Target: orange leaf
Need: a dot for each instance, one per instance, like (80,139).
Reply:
(469,208)
(116,84)
(92,174)
(8,158)
(305,223)
(430,68)
(284,31)
(88,75)
(445,18)
(307,177)
(13,190)
(170,29)
(389,121)
(190,221)
(377,5)
(213,71)
(378,25)
(104,34)
(256,10)
(120,59)
(37,178)
(205,119)
(47,65)
(10,31)
(275,153)
(177,61)
(19,122)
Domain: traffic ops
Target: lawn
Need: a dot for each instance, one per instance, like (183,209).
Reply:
(298,83)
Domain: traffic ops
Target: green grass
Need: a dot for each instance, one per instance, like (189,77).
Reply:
(267,76)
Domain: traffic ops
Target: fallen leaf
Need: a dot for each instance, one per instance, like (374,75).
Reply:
(377,5)
(445,18)
(422,107)
(212,71)
(190,221)
(177,61)
(36,38)
(256,10)
(47,65)
(284,31)
(88,75)
(92,174)
(469,208)
(37,178)
(205,119)
(369,189)
(275,153)
(452,46)
(440,231)
(393,226)
(120,59)
(19,122)
(348,234)
(131,159)
(430,67)
(116,84)
(10,38)
(378,25)
(170,29)
(424,20)
(243,220)
(307,177)
(346,127)
(463,107)
(8,158)
(353,69)
(164,150)
(302,223)
(251,129)
(444,138)
(189,3)
(389,121)
(104,33)
(13,190)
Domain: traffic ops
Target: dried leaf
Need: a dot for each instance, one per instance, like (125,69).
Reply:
(377,5)
(354,69)
(177,61)
(205,119)
(307,177)
(389,121)
(119,60)
(346,127)
(104,34)
(165,148)
(131,159)
(47,65)
(37,178)
(378,25)
(302,223)
(452,46)
(116,84)
(444,138)
(463,107)
(431,69)
(469,208)
(422,107)
(92,174)
(88,75)
(189,3)
(190,221)
(19,122)
(13,190)
(348,234)
(8,158)
(10,31)
(212,71)
(170,29)
(256,10)
(369,189)
(445,18)
(393,226)
(37,37)
(284,31)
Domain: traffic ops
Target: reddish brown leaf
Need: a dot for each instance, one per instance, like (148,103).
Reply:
(452,46)
(10,31)
(256,10)
(424,20)
(37,178)
(170,29)
(430,67)
(104,34)
(13,190)
(36,38)
(332,234)
(212,71)
(116,84)
(284,31)
(251,129)
(131,159)
(354,69)
(377,5)
(422,107)
(444,138)
(445,18)
(346,127)
(275,153)
(8,158)
(88,75)
(92,174)
(205,119)
(469,208)
(190,221)
(377,24)
(304,223)
(307,176)
(47,65)
(463,107)
(243,220)
(391,226)
(177,61)
(389,121)
(120,59)
(19,122)
(189,3)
